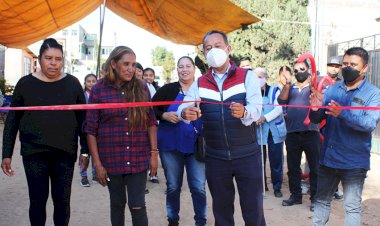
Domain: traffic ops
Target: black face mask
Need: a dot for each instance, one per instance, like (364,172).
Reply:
(302,76)
(350,74)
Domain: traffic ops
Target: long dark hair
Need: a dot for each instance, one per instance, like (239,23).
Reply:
(134,89)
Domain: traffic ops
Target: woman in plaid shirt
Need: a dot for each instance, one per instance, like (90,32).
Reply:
(123,141)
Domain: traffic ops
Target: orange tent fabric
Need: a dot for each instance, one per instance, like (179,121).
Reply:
(23,22)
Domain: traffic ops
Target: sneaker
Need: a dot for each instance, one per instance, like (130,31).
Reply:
(84,182)
(154,179)
(94,180)
(277,194)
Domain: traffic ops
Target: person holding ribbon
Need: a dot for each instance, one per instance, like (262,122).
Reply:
(234,103)
(122,141)
(49,139)
(301,136)
(176,143)
(345,156)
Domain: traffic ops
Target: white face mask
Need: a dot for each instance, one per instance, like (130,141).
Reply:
(216,57)
(263,81)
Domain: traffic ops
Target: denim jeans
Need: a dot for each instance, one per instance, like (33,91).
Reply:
(84,174)
(247,172)
(352,182)
(57,166)
(276,162)
(136,184)
(174,163)
(296,143)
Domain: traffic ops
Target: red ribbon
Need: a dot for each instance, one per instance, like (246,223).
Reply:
(161,103)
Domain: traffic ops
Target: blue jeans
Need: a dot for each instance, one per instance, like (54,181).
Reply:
(247,172)
(352,182)
(276,162)
(84,174)
(174,163)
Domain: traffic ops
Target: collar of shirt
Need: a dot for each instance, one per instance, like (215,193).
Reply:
(219,78)
(300,89)
(359,87)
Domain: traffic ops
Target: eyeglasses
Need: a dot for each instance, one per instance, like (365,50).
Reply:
(302,69)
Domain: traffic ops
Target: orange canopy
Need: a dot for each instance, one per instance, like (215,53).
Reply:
(23,22)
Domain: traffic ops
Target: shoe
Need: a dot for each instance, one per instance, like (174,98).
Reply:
(338,195)
(277,194)
(147,191)
(312,206)
(292,201)
(94,180)
(154,179)
(266,188)
(84,182)
(173,223)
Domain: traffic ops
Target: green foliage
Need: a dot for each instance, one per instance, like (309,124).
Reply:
(162,57)
(272,44)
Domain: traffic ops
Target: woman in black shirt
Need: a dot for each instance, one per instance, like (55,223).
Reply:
(49,139)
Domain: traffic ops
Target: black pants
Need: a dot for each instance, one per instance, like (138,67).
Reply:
(135,184)
(296,143)
(57,166)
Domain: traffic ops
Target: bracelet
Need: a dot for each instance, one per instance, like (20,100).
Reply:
(154,150)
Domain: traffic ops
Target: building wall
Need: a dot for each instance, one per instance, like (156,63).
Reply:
(16,65)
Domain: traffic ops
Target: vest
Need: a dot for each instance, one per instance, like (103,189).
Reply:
(276,126)
(225,136)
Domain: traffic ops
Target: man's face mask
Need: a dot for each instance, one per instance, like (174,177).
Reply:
(216,57)
(301,74)
(350,74)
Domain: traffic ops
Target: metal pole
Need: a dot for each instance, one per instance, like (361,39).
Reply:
(262,158)
(100,36)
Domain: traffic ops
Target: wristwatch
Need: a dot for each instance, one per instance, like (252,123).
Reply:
(85,155)
(245,114)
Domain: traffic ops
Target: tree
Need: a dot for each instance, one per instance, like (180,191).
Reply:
(272,44)
(162,57)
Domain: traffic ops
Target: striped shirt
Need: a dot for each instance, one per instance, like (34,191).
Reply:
(121,150)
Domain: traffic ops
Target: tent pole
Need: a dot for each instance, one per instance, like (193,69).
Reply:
(100,36)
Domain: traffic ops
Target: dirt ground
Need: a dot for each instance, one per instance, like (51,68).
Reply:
(90,206)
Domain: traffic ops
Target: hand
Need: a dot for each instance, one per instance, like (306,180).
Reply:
(153,163)
(83,162)
(237,110)
(6,166)
(101,175)
(191,113)
(261,120)
(334,109)
(171,117)
(316,98)
(288,77)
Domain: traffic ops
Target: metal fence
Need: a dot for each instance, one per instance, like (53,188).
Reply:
(372,45)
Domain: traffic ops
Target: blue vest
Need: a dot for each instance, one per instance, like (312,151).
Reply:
(277,126)
(225,136)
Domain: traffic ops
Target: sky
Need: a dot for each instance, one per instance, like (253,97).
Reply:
(141,41)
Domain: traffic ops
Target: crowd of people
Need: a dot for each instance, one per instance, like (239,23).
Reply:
(241,118)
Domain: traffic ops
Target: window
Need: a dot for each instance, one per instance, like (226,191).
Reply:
(74,32)
(27,65)
(64,32)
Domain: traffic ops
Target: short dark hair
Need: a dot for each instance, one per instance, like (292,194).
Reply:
(305,62)
(186,57)
(149,69)
(286,68)
(50,43)
(215,32)
(357,51)
(245,58)
(139,66)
